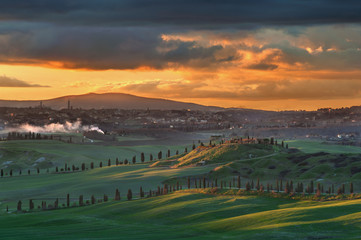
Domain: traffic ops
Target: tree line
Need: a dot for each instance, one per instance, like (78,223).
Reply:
(280,186)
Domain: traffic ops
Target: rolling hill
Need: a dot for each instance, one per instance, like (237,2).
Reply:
(109,100)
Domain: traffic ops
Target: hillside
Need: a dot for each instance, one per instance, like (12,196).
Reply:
(267,162)
(191,215)
(223,154)
(109,100)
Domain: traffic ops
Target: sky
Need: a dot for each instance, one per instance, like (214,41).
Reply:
(273,55)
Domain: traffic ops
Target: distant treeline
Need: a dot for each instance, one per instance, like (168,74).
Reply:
(83,166)
(28,136)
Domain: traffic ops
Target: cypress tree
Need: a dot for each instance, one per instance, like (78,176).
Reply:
(81,201)
(185,150)
(93,200)
(287,188)
(129,195)
(204,182)
(168,153)
(68,200)
(333,189)
(177,185)
(268,187)
(19,206)
(101,164)
(189,183)
(91,165)
(252,184)
(141,193)
(56,203)
(109,162)
(216,183)
(31,204)
(195,183)
(56,169)
(257,185)
(248,186)
(277,186)
(177,152)
(117,195)
(142,158)
(83,166)
(2,173)
(160,155)
(11,172)
(116,161)
(134,159)
(126,162)
(239,182)
(105,198)
(343,188)
(151,157)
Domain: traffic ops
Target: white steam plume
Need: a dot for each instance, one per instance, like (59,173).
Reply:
(67,127)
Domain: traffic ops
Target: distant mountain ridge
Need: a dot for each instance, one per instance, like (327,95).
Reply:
(108,100)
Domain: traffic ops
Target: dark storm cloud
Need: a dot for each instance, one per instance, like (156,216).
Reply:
(13,82)
(202,14)
(97,34)
(102,47)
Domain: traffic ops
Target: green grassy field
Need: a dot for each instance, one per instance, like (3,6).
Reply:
(98,181)
(29,154)
(181,215)
(186,215)
(313,146)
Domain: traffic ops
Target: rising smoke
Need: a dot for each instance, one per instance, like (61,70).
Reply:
(67,127)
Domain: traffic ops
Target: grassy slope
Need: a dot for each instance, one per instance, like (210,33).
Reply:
(271,162)
(98,182)
(24,154)
(187,215)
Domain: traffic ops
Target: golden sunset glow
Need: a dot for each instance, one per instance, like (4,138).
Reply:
(265,67)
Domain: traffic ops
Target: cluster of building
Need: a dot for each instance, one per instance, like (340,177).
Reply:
(183,120)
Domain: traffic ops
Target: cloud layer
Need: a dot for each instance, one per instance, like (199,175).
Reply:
(13,82)
(239,50)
